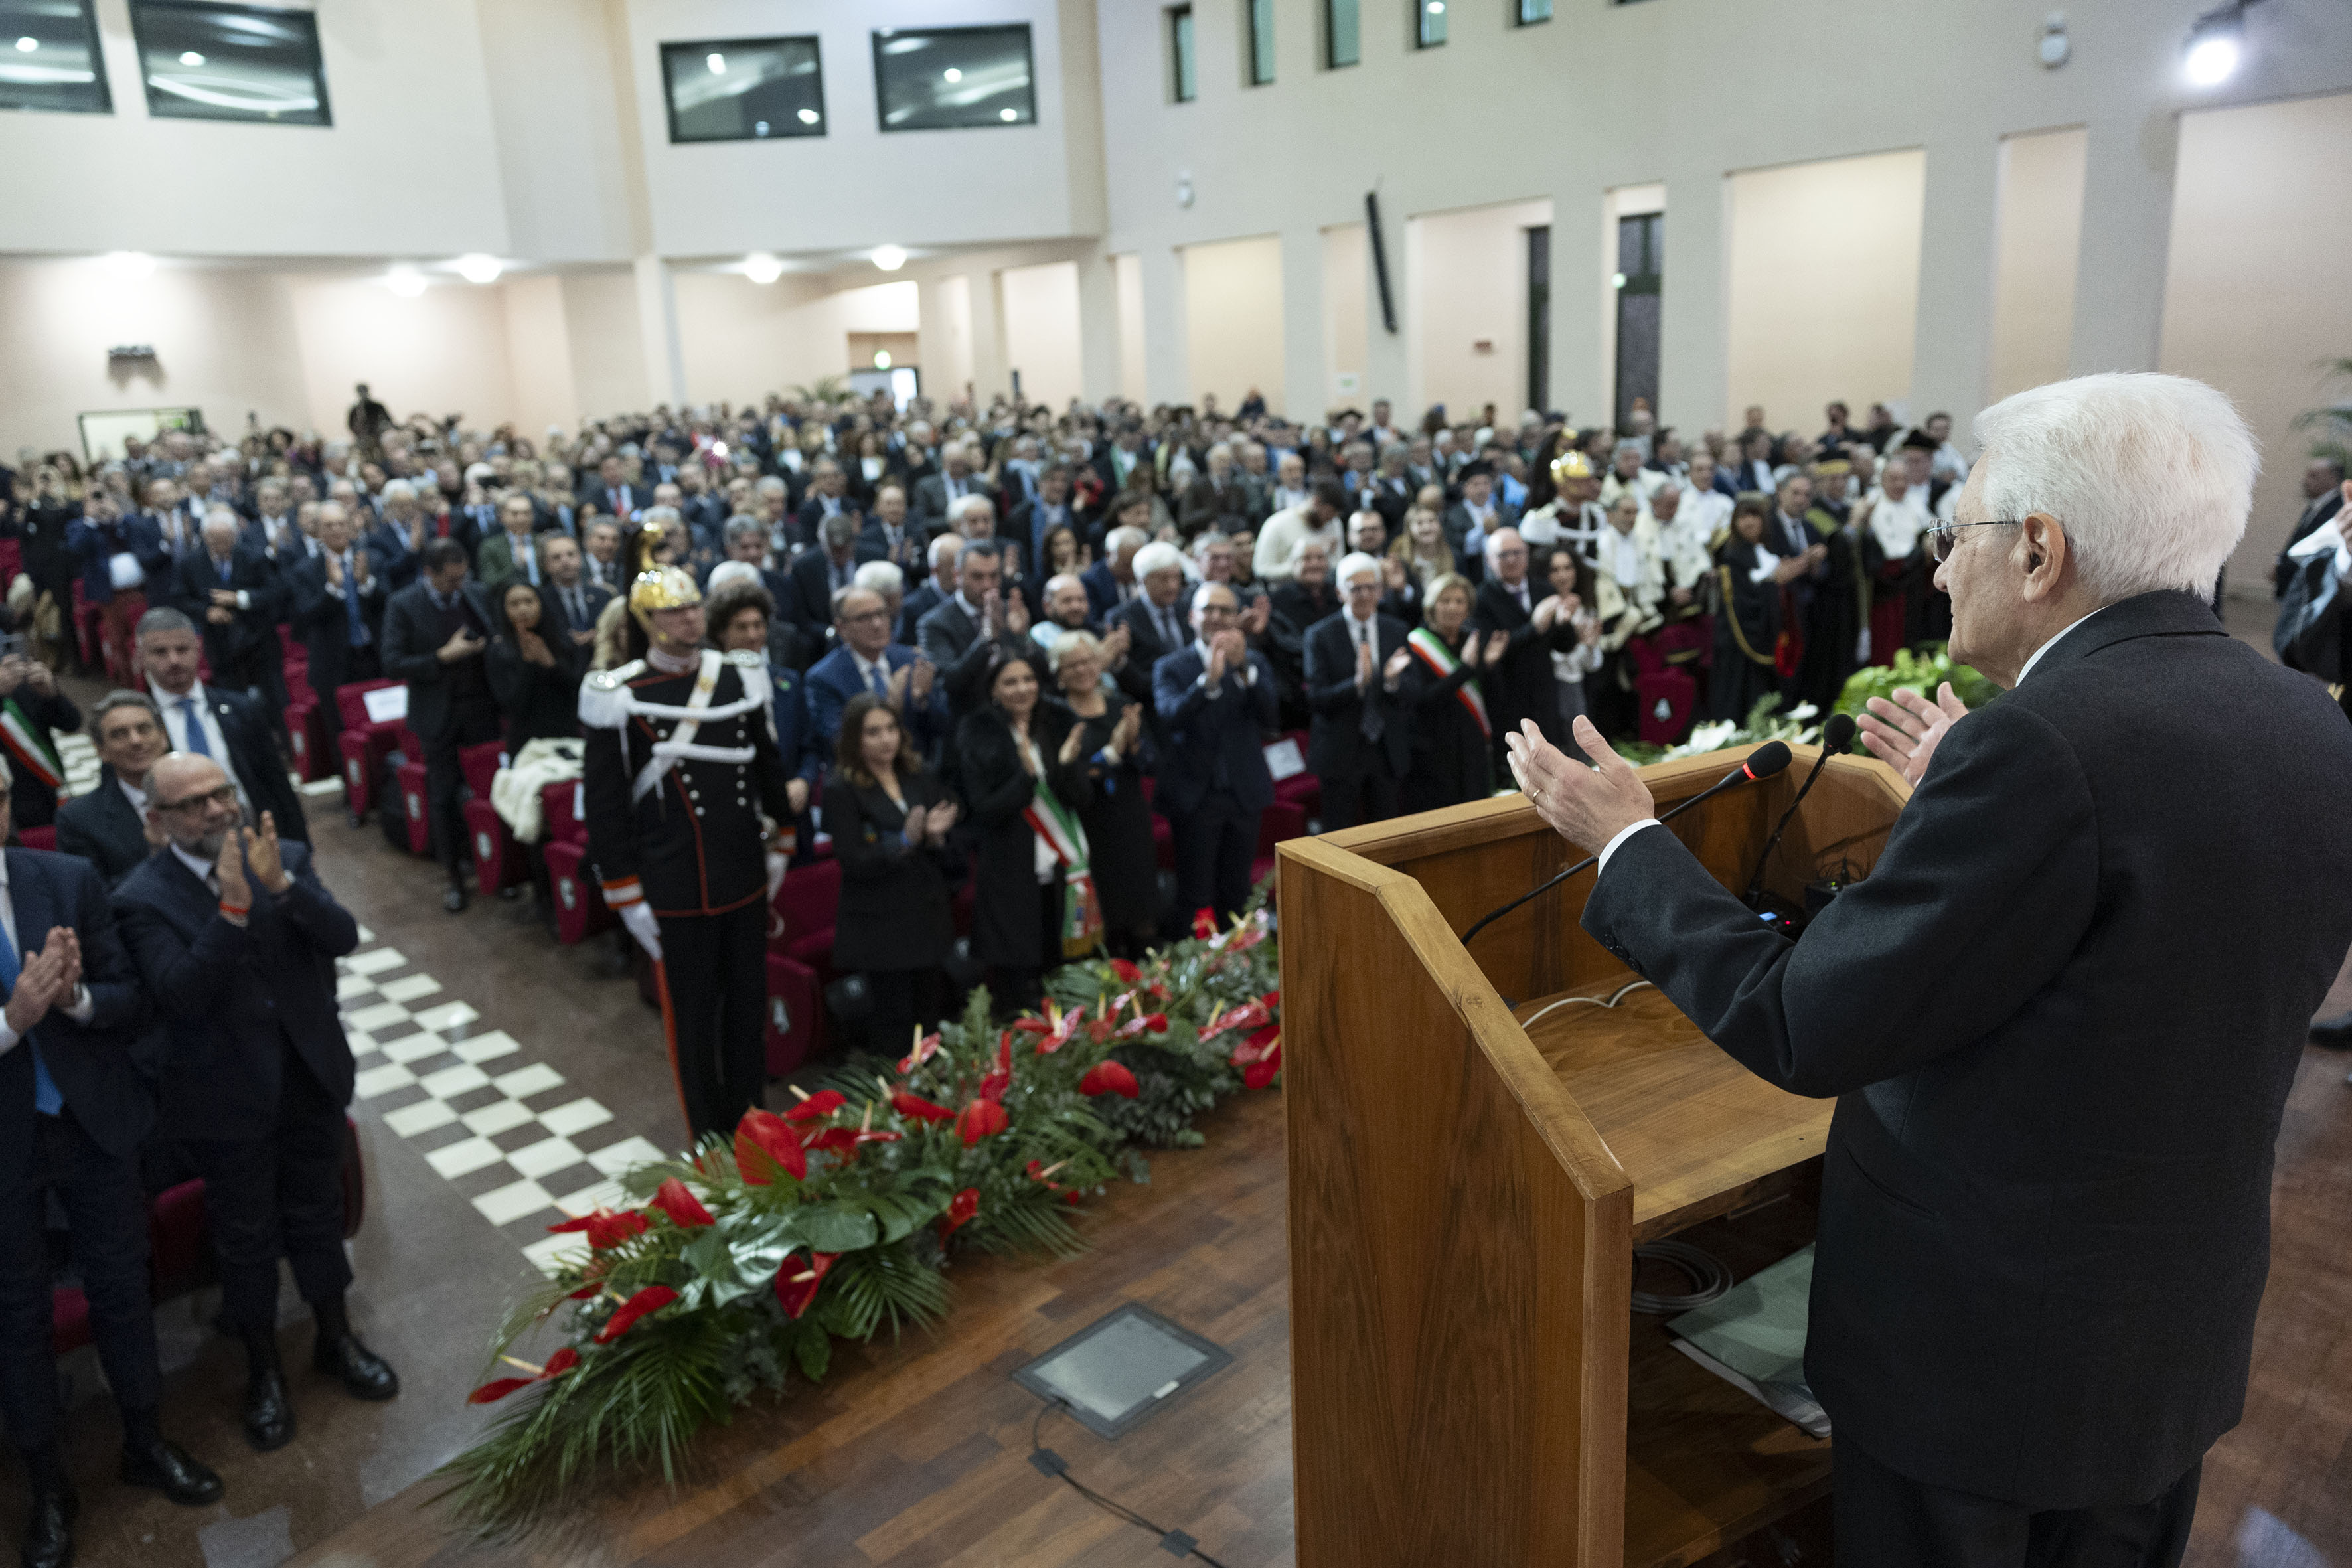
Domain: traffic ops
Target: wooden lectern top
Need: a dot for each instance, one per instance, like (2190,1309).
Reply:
(1468,1178)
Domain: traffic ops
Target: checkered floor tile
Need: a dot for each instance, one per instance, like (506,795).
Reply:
(523,1147)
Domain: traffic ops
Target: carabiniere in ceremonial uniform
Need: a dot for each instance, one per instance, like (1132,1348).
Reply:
(684,789)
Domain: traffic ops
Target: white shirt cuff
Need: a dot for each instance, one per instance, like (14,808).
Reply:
(1622,833)
(83,1004)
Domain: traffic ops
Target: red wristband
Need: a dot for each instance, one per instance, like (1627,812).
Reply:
(238,909)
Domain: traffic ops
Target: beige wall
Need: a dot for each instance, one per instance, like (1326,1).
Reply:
(1466,285)
(742,340)
(2260,284)
(1824,284)
(1126,276)
(947,341)
(1347,285)
(539,354)
(1039,309)
(2036,245)
(443,352)
(1233,313)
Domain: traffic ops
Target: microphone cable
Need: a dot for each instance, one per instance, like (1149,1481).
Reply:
(1766,760)
(1837,738)
(1175,1542)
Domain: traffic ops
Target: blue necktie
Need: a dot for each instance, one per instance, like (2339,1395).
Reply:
(351,605)
(194,723)
(874,678)
(45,1097)
(222,568)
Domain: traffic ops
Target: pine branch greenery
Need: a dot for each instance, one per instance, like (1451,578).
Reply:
(748,1257)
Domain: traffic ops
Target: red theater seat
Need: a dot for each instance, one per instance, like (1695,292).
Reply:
(580,909)
(795,1025)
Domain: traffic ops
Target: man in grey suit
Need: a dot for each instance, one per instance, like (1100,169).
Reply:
(958,636)
(2061,1012)
(936,495)
(107,827)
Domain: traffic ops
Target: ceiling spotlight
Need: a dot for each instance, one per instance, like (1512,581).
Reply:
(128,264)
(2216,43)
(761,268)
(190,57)
(808,117)
(890,258)
(881,359)
(26,46)
(953,74)
(2054,48)
(475,268)
(405,281)
(716,62)
(1008,115)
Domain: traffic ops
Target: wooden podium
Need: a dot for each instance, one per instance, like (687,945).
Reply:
(1468,1176)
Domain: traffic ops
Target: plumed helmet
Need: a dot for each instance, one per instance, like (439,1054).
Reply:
(1571,465)
(661,588)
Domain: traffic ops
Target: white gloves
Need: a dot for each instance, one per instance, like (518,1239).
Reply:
(776,864)
(639,922)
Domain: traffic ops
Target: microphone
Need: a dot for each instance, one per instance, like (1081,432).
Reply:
(1837,738)
(1766,760)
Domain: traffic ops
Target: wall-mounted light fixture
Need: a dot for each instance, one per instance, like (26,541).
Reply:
(890,258)
(2216,43)
(761,268)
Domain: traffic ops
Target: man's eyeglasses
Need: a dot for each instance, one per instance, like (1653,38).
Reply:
(1941,540)
(225,795)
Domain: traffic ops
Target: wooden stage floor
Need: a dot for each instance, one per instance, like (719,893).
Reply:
(918,1453)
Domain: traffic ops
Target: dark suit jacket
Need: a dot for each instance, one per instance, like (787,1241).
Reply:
(833,681)
(808,590)
(929,498)
(610,502)
(101,828)
(1522,685)
(253,752)
(106,1068)
(235,650)
(2313,513)
(1102,592)
(593,595)
(810,516)
(322,620)
(921,602)
(874,545)
(951,639)
(895,911)
(1145,649)
(1206,732)
(2061,1015)
(1336,747)
(997,790)
(224,992)
(94,544)
(412,643)
(495,562)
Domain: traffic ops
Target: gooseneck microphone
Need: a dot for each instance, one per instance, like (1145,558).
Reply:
(1837,739)
(1766,760)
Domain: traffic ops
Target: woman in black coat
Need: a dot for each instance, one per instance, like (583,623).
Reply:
(1451,747)
(1298,604)
(890,819)
(534,677)
(1750,581)
(1109,745)
(1002,749)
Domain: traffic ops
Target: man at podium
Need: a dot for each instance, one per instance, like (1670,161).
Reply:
(2060,1016)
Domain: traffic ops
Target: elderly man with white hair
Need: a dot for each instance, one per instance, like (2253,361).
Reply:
(2060,1013)
(231,590)
(1157,621)
(1360,737)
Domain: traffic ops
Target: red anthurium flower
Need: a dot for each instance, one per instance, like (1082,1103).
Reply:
(766,1143)
(1000,1077)
(915,1105)
(604,1228)
(1109,1077)
(796,1284)
(651,1298)
(962,1209)
(1127,973)
(559,1363)
(497,1388)
(1248,1016)
(845,1141)
(982,1118)
(925,1050)
(1041,1172)
(1249,934)
(817,1106)
(1263,1057)
(1204,922)
(1151,1024)
(682,1206)
(1032,1026)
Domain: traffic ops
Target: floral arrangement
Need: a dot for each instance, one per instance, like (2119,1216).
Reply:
(1764,722)
(1922,672)
(839,1217)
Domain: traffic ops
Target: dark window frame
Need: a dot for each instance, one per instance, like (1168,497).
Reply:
(1331,60)
(880,36)
(1183,56)
(1418,27)
(105,104)
(708,46)
(1257,47)
(1519,17)
(308,23)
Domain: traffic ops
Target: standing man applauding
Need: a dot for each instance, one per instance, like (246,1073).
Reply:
(2060,1015)
(236,939)
(74,1107)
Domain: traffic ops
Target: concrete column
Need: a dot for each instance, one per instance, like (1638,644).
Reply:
(1167,358)
(658,330)
(2127,232)
(1694,362)
(1951,354)
(1097,325)
(1303,389)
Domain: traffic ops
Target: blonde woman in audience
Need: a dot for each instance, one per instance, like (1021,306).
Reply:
(1421,545)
